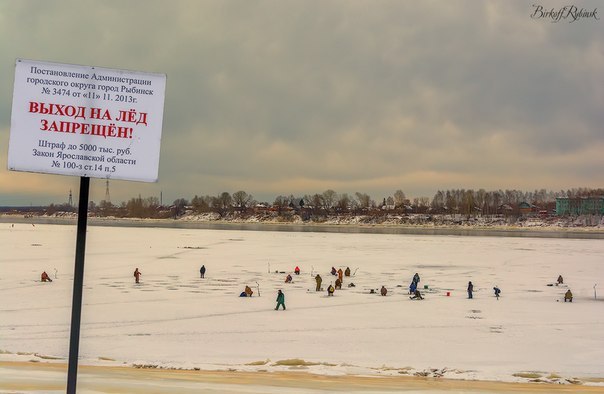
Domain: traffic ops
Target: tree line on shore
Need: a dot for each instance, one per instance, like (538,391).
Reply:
(466,202)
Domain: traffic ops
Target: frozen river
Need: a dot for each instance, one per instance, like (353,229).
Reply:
(173,318)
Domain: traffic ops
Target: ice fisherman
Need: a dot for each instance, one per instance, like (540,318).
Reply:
(280,300)
(417,295)
(497,291)
(297,270)
(45,278)
(318,279)
(347,271)
(333,271)
(560,279)
(470,289)
(412,287)
(568,296)
(383,291)
(137,275)
(340,274)
(288,278)
(416,279)
(248,291)
(330,290)
(202,271)
(338,284)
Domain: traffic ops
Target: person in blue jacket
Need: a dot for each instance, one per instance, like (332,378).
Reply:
(280,300)
(412,287)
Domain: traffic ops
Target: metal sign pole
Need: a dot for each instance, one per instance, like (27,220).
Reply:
(78,280)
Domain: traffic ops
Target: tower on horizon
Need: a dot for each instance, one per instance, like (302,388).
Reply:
(107,197)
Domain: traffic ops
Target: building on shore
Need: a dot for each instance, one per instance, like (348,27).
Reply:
(580,205)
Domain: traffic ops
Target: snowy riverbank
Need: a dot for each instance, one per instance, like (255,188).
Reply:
(588,227)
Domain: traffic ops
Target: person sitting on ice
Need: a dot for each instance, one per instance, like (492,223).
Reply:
(288,279)
(412,287)
(333,271)
(248,291)
(330,290)
(383,291)
(340,274)
(45,278)
(297,270)
(560,280)
(347,271)
(568,296)
(417,295)
(338,284)
(497,291)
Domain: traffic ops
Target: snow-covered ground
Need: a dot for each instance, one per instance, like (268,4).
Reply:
(173,318)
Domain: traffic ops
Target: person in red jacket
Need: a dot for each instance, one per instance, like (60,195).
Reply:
(297,270)
(137,275)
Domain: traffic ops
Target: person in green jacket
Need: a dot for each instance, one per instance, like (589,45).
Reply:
(280,300)
(319,280)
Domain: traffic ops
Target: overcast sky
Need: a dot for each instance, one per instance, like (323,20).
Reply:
(296,97)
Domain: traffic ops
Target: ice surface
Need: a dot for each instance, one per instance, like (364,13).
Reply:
(173,318)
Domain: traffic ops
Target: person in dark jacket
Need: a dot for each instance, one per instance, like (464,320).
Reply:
(319,280)
(417,295)
(137,275)
(416,279)
(470,289)
(280,300)
(347,271)
(497,291)
(383,291)
(288,279)
(568,296)
(202,271)
(338,284)
(333,271)
(560,279)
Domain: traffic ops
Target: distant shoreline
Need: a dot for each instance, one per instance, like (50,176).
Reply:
(462,230)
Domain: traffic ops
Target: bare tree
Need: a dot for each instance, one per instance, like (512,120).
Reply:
(241,200)
(343,204)
(222,203)
(363,199)
(399,198)
(329,199)
(280,203)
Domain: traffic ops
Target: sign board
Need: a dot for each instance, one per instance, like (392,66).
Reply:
(86,121)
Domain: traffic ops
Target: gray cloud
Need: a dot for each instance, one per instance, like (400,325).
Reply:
(297,97)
